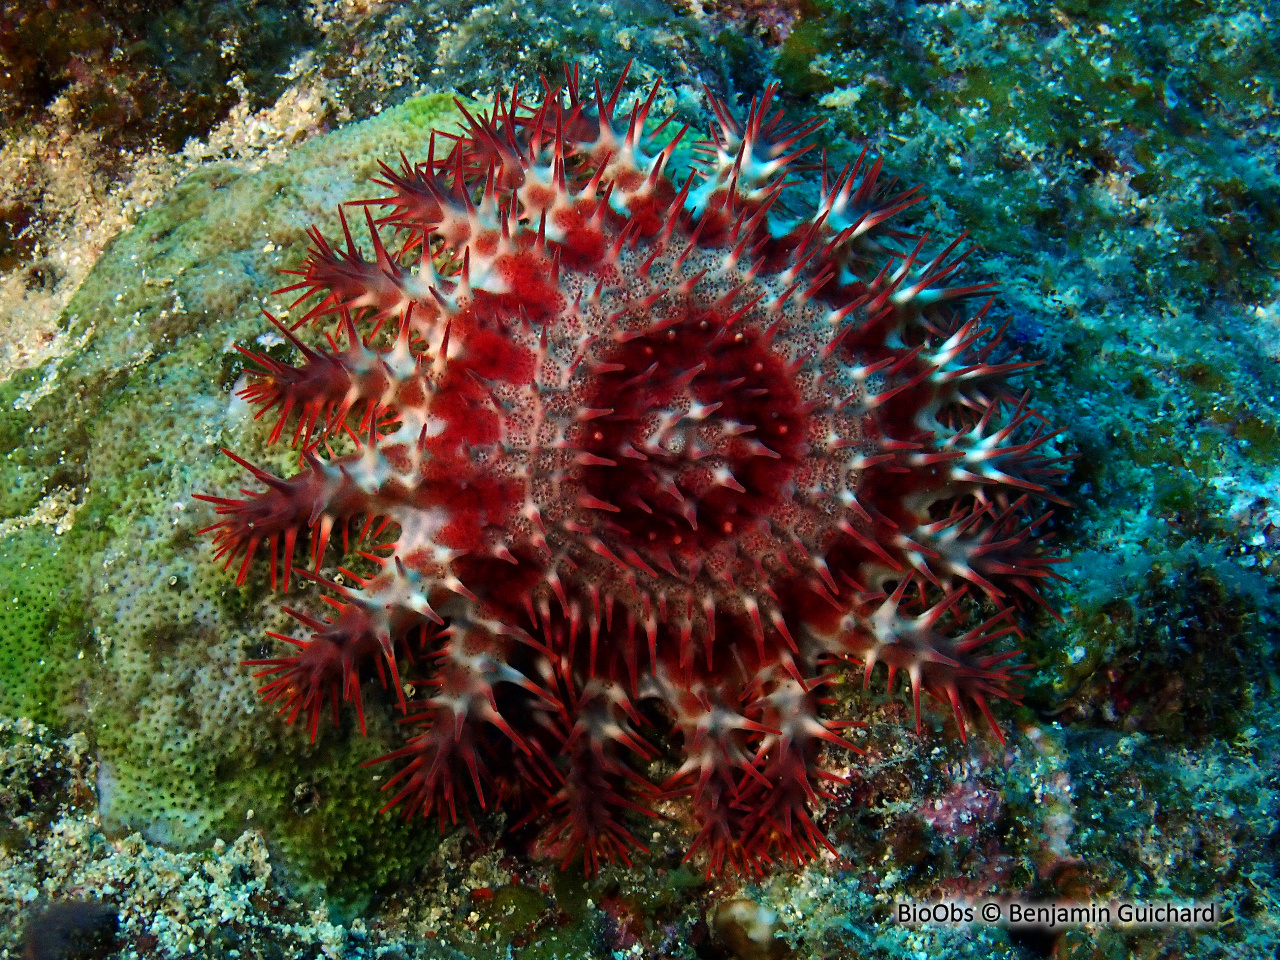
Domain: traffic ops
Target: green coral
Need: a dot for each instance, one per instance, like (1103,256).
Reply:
(125,430)
(44,634)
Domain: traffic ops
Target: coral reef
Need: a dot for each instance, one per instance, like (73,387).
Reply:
(167,904)
(136,71)
(107,104)
(90,634)
(1119,172)
(632,444)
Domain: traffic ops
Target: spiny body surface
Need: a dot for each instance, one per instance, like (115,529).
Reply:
(629,452)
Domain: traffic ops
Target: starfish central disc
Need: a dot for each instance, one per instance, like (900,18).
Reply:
(705,430)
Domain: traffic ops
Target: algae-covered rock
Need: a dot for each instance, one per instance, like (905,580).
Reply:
(113,614)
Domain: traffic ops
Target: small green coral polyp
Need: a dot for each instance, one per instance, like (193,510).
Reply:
(621,440)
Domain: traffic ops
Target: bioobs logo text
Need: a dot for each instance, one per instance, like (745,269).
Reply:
(942,912)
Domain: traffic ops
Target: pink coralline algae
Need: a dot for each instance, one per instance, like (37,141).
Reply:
(638,461)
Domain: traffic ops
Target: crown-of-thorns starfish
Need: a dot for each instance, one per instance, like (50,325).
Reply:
(637,460)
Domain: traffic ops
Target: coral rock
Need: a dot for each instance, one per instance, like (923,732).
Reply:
(624,452)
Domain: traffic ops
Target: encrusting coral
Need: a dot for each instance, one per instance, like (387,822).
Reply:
(627,453)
